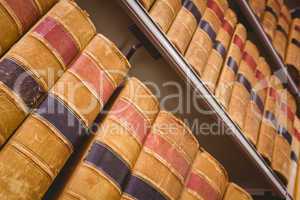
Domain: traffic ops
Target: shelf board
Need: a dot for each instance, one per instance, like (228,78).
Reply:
(275,59)
(175,60)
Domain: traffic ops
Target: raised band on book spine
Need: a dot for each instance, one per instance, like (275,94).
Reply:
(116,146)
(231,65)
(40,55)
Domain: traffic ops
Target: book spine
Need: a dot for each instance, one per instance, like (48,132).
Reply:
(258,7)
(205,35)
(243,85)
(185,23)
(216,58)
(164,161)
(41,146)
(282,31)
(255,108)
(292,57)
(236,192)
(296,192)
(163,12)
(37,61)
(268,129)
(116,147)
(147,3)
(17,17)
(270,17)
(207,179)
(231,65)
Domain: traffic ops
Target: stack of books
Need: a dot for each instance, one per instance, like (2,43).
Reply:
(39,149)
(35,63)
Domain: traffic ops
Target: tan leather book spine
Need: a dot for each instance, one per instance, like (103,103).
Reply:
(216,58)
(231,66)
(164,161)
(243,85)
(255,108)
(35,155)
(185,23)
(282,31)
(296,192)
(292,57)
(270,16)
(102,171)
(285,114)
(36,62)
(163,12)
(205,35)
(207,179)
(268,128)
(258,7)
(17,17)
(147,3)
(236,192)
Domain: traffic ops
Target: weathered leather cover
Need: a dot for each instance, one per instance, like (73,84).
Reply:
(17,17)
(268,128)
(163,12)
(292,56)
(256,106)
(44,142)
(237,193)
(102,172)
(217,55)
(231,66)
(258,6)
(243,85)
(164,161)
(43,54)
(207,179)
(205,35)
(185,23)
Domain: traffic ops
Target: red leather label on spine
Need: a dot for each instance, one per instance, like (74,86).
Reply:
(238,42)
(297,134)
(250,61)
(273,93)
(167,152)
(227,27)
(58,38)
(288,111)
(217,10)
(201,186)
(262,79)
(94,77)
(127,113)
(25,10)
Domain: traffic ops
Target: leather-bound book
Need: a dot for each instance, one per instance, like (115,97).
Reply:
(292,58)
(163,12)
(102,172)
(147,3)
(164,161)
(270,16)
(285,113)
(227,77)
(282,31)
(35,155)
(235,192)
(185,23)
(17,17)
(268,128)
(205,34)
(258,7)
(36,62)
(218,54)
(207,179)
(294,157)
(255,108)
(243,85)
(296,192)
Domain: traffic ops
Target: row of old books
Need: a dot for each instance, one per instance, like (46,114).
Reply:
(208,34)
(282,29)
(17,17)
